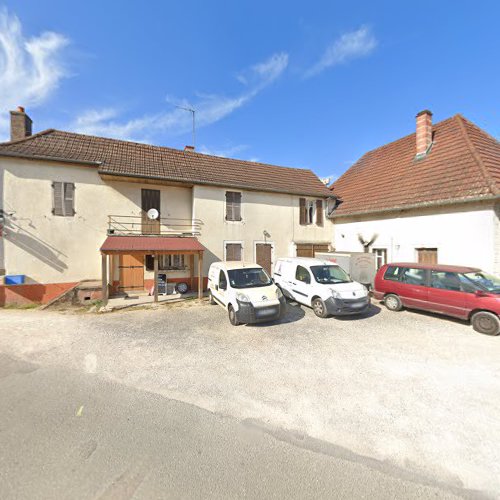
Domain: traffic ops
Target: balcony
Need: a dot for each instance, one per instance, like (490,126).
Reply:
(132,225)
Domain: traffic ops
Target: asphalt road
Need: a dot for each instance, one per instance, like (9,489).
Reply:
(69,434)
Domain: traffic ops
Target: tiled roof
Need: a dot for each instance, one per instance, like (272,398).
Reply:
(116,157)
(463,165)
(150,244)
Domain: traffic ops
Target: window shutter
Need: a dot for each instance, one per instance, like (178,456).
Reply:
(233,251)
(319,212)
(58,204)
(229,205)
(69,199)
(237,206)
(303,211)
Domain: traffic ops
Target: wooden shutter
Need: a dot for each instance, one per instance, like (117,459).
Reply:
(150,198)
(303,211)
(69,199)
(58,205)
(233,251)
(233,205)
(319,212)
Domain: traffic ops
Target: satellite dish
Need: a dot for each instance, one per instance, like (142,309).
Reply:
(153,214)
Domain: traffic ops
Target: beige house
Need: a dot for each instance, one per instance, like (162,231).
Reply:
(75,207)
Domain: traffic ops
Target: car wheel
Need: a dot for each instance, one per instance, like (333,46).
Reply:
(319,308)
(486,322)
(393,302)
(232,316)
(211,299)
(182,287)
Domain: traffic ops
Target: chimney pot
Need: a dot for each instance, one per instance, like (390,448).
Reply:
(20,124)
(424,132)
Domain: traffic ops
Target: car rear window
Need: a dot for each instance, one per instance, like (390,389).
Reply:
(392,273)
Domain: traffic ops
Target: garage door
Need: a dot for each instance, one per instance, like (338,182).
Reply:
(309,249)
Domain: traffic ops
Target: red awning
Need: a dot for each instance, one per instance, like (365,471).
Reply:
(125,244)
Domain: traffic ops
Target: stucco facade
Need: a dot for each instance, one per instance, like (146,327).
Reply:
(466,234)
(50,249)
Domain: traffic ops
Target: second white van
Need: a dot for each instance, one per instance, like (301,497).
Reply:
(322,285)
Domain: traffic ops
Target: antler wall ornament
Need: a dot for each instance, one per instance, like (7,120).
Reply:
(367,243)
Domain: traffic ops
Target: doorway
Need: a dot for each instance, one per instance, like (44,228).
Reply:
(131,272)
(150,198)
(264,256)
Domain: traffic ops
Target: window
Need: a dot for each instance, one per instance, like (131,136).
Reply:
(63,199)
(302,274)
(233,206)
(445,281)
(330,275)
(412,276)
(392,273)
(222,280)
(234,251)
(427,255)
(311,211)
(166,262)
(380,256)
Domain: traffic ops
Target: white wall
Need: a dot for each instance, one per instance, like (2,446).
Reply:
(278,214)
(464,235)
(51,249)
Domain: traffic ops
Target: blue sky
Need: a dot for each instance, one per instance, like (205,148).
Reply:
(305,84)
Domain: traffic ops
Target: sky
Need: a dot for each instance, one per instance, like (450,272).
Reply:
(294,83)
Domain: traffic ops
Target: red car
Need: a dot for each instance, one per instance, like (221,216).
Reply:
(462,292)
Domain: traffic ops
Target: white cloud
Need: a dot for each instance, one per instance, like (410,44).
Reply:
(227,152)
(30,69)
(349,46)
(210,108)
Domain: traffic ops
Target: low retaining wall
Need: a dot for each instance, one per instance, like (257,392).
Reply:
(32,294)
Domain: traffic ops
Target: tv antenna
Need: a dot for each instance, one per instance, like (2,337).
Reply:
(193,112)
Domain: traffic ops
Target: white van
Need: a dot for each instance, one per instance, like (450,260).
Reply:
(322,285)
(246,291)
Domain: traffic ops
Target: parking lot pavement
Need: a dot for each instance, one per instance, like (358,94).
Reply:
(414,390)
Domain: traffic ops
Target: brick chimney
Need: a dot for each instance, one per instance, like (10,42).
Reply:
(189,148)
(424,132)
(20,124)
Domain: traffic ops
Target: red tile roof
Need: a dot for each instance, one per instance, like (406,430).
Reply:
(124,158)
(150,244)
(463,165)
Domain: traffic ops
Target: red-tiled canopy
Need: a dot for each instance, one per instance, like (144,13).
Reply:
(150,244)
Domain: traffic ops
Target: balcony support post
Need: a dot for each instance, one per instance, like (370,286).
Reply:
(155,261)
(104,277)
(200,275)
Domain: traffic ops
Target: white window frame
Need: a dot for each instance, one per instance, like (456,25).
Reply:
(236,242)
(374,251)
(241,207)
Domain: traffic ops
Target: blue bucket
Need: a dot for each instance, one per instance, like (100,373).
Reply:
(15,279)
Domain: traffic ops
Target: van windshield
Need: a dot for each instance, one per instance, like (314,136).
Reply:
(249,277)
(484,281)
(329,275)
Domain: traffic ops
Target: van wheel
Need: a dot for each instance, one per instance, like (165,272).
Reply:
(393,302)
(486,322)
(319,308)
(211,299)
(232,316)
